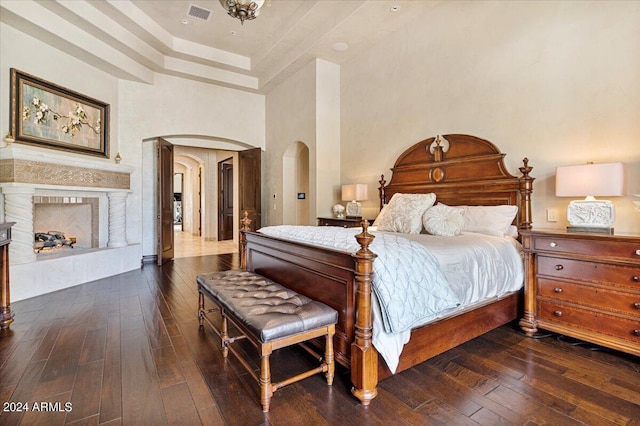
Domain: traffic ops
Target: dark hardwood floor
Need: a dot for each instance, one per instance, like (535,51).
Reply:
(128,350)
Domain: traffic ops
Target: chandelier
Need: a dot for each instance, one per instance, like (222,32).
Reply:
(242,9)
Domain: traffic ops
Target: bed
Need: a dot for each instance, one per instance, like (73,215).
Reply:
(460,170)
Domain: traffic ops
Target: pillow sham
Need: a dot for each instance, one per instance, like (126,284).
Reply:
(443,220)
(404,213)
(383,211)
(492,220)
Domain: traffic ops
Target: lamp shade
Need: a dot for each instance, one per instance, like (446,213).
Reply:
(354,192)
(606,179)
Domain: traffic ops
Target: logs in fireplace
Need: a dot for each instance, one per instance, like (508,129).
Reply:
(51,240)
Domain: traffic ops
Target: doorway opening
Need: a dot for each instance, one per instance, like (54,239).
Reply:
(178,179)
(295,180)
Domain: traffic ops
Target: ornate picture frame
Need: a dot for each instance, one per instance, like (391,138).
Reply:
(47,115)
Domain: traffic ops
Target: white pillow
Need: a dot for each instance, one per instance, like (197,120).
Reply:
(383,211)
(404,213)
(491,220)
(443,220)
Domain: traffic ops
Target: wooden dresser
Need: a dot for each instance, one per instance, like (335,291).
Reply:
(585,286)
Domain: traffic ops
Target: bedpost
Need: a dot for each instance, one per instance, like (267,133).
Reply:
(381,191)
(245,221)
(364,357)
(526,189)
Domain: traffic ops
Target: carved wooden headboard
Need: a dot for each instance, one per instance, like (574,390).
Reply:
(461,170)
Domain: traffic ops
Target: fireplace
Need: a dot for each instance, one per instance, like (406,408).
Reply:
(81,198)
(77,218)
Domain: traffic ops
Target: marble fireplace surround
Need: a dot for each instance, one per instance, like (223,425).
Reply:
(27,178)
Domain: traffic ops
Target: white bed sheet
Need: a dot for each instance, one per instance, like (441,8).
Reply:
(478,267)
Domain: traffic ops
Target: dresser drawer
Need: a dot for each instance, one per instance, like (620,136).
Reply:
(567,245)
(610,299)
(589,320)
(583,270)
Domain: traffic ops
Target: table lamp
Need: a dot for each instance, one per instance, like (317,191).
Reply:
(353,193)
(590,180)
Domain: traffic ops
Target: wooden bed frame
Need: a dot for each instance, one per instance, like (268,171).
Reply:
(461,170)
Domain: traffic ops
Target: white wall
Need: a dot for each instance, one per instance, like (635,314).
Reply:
(305,108)
(557,82)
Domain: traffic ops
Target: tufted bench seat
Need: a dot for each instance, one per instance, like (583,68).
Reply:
(271,317)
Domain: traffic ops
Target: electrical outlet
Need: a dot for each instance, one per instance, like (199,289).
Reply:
(552,215)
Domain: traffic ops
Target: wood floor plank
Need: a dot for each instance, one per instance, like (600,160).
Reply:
(141,399)
(85,397)
(179,407)
(93,348)
(167,366)
(48,341)
(111,392)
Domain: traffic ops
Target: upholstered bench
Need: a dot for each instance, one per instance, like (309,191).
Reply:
(271,317)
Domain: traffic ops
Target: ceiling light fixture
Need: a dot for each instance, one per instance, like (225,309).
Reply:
(244,10)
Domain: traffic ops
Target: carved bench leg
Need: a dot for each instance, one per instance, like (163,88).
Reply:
(328,354)
(200,308)
(266,390)
(224,337)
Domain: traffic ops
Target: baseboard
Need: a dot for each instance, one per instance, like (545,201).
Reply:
(150,258)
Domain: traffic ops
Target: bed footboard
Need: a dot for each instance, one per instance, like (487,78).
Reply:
(341,280)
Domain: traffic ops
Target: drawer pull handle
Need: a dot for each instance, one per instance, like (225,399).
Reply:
(557,313)
(636,278)
(557,290)
(559,267)
(636,333)
(554,244)
(636,305)
(638,252)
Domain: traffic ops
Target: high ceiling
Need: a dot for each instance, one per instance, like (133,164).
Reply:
(134,38)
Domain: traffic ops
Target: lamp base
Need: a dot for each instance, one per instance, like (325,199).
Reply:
(353,209)
(589,230)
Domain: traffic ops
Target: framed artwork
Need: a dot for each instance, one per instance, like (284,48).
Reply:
(51,116)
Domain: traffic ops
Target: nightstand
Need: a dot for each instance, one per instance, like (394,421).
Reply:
(585,286)
(343,222)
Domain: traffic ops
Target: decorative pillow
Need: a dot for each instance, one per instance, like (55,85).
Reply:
(404,213)
(443,220)
(491,220)
(383,211)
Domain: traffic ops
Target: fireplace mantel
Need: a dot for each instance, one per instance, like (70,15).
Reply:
(21,167)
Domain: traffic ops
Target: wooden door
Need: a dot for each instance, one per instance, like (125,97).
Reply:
(165,201)
(249,172)
(225,200)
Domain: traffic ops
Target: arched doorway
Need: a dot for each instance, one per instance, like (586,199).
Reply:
(295,181)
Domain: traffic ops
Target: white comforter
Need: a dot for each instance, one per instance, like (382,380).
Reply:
(476,267)
(409,285)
